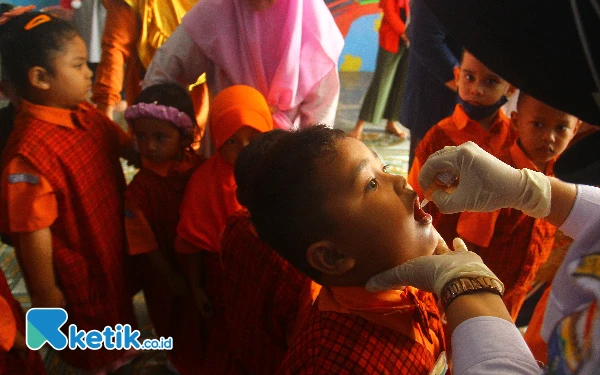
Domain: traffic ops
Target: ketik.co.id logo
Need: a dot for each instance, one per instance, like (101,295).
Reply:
(44,324)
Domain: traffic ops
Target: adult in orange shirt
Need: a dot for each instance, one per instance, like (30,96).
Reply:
(384,96)
(133,31)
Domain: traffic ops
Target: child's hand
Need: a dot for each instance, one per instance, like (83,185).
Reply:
(203,302)
(51,297)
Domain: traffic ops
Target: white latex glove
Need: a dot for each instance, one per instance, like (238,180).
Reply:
(485,183)
(432,272)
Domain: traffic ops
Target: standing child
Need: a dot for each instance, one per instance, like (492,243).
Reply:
(326,204)
(263,299)
(163,124)
(543,134)
(62,184)
(238,114)
(476,118)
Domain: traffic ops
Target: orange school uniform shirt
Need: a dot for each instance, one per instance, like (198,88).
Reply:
(261,300)
(511,243)
(12,319)
(151,214)
(62,171)
(352,331)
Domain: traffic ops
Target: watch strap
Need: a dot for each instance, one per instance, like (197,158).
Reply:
(468,285)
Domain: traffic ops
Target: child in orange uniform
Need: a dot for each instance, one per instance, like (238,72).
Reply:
(326,204)
(544,133)
(263,299)
(62,184)
(163,124)
(238,113)
(15,357)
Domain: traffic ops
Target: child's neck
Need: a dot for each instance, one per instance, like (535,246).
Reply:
(540,165)
(487,122)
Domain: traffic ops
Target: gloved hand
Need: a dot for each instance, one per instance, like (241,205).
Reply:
(485,183)
(432,272)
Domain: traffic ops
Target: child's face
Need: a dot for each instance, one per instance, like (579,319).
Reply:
(230,150)
(72,79)
(158,140)
(377,215)
(544,132)
(478,85)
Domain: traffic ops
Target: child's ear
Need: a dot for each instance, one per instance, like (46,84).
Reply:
(511,90)
(456,74)
(324,257)
(38,78)
(514,121)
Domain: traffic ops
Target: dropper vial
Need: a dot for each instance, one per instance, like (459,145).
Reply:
(447,181)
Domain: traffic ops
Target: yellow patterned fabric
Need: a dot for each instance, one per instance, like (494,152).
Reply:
(158,19)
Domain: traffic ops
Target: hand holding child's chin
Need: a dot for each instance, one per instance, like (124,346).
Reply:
(441,247)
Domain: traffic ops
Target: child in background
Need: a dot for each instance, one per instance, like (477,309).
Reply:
(15,357)
(263,299)
(238,113)
(163,125)
(543,134)
(476,118)
(326,204)
(62,184)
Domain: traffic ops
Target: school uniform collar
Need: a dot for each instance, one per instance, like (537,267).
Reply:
(53,115)
(171,167)
(399,310)
(521,160)
(461,120)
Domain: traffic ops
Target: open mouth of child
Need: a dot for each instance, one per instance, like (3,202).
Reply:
(420,216)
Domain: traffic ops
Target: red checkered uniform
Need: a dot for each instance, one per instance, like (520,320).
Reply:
(262,299)
(339,343)
(88,240)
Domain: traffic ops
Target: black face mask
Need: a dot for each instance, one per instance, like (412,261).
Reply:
(477,113)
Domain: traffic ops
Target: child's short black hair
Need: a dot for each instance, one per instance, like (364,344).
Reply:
(170,94)
(25,44)
(250,159)
(285,200)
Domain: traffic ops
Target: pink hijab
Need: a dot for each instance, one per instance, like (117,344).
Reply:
(283,51)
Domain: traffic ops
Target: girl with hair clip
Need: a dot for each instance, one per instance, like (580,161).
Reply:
(62,185)
(163,125)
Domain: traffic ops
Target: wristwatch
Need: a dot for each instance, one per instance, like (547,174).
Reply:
(467,285)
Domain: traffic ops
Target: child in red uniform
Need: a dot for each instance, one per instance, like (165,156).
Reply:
(163,125)
(238,113)
(326,204)
(543,134)
(15,357)
(495,236)
(263,299)
(62,184)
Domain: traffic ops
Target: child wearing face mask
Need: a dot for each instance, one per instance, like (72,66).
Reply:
(164,127)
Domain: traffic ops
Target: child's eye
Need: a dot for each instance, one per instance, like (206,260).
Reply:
(469,77)
(373,184)
(562,128)
(537,124)
(491,82)
(230,141)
